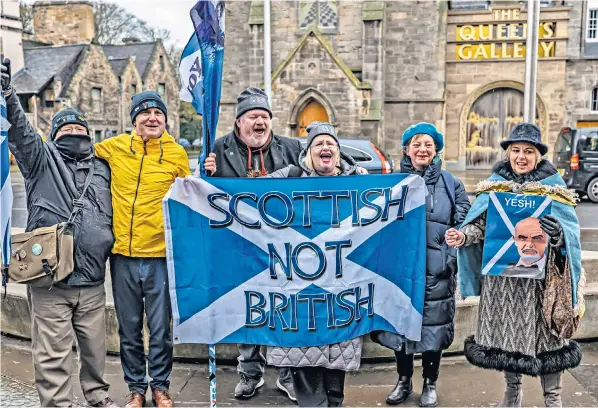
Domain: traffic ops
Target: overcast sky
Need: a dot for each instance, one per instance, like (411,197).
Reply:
(170,14)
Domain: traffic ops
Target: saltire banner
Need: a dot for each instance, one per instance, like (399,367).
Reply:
(191,74)
(295,262)
(6,193)
(515,245)
(208,20)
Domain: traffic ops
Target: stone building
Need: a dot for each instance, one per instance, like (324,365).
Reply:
(373,68)
(64,67)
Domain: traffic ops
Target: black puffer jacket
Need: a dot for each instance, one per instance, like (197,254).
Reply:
(232,155)
(441,262)
(50,184)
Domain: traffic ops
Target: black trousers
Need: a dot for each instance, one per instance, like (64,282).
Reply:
(430,364)
(318,386)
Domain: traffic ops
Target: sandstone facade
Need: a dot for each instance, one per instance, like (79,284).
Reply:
(381,66)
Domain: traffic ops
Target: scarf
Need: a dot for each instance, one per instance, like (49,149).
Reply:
(74,146)
(261,171)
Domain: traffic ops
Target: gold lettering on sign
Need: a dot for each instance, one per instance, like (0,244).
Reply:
(470,38)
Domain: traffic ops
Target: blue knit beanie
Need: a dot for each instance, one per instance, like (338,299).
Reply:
(146,100)
(424,128)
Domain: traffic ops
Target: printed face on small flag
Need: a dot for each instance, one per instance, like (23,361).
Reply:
(295,262)
(515,245)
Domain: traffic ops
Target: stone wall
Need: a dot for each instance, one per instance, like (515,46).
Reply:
(129,77)
(63,22)
(163,72)
(94,71)
(313,71)
(415,49)
(582,77)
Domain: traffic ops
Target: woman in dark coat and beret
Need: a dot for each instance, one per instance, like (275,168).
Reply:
(447,205)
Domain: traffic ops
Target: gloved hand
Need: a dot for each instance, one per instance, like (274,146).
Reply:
(5,74)
(552,227)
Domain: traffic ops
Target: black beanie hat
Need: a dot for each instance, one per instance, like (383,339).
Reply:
(252,98)
(66,116)
(315,129)
(146,100)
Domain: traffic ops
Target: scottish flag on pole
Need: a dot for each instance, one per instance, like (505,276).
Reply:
(6,194)
(296,262)
(201,69)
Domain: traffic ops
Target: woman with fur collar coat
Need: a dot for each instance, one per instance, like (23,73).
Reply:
(525,325)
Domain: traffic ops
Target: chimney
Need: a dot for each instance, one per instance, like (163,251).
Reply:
(63,22)
(11,34)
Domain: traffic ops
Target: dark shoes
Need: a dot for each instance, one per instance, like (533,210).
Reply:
(428,397)
(135,400)
(161,398)
(401,391)
(404,389)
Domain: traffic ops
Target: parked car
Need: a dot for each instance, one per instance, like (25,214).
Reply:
(366,155)
(576,158)
(184,142)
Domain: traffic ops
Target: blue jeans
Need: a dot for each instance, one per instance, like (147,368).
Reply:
(138,284)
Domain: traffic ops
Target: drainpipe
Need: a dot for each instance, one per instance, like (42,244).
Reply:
(267,53)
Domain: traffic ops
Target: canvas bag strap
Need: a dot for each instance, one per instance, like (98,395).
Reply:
(78,202)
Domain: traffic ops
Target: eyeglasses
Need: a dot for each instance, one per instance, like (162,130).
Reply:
(329,145)
(77,130)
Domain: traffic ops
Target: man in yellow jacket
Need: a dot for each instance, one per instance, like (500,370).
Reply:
(143,165)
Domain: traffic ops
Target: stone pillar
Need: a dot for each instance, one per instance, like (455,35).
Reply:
(373,68)
(256,53)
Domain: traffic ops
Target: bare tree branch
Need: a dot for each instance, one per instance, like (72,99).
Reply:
(26,11)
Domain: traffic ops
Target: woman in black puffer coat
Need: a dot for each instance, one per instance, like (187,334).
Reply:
(447,205)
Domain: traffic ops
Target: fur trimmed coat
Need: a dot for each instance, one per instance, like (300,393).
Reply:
(524,325)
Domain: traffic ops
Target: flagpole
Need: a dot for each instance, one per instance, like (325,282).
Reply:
(531,61)
(212,371)
(267,53)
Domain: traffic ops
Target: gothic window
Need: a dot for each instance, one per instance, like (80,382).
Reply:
(594,102)
(322,13)
(133,89)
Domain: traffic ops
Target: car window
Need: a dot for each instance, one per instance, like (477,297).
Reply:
(356,154)
(590,144)
(563,143)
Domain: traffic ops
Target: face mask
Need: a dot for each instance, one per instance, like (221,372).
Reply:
(75,146)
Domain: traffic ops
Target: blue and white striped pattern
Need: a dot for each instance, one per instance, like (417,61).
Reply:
(6,194)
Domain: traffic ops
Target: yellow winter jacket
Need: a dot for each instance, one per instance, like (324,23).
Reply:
(142,172)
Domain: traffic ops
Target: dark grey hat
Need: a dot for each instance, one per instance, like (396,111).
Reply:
(528,133)
(315,129)
(252,98)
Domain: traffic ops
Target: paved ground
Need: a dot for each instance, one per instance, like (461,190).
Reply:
(460,384)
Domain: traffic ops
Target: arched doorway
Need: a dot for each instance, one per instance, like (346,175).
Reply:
(489,121)
(313,111)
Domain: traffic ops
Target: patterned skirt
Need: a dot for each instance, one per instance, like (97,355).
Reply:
(511,317)
(512,333)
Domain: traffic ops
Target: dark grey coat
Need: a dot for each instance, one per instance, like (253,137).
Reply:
(231,156)
(52,184)
(441,263)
